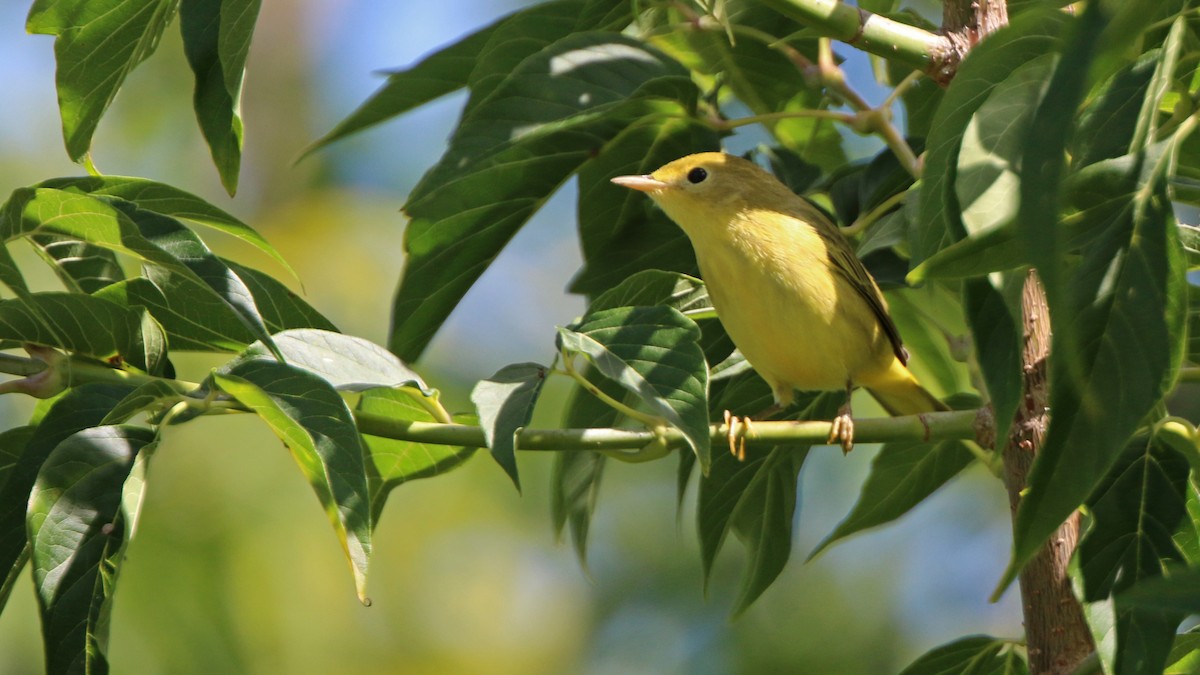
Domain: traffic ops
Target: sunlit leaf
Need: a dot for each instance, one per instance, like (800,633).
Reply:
(975,655)
(479,60)
(653,353)
(216,40)
(97,43)
(311,418)
(393,462)
(620,230)
(167,200)
(82,267)
(1027,37)
(347,362)
(989,159)
(86,325)
(509,154)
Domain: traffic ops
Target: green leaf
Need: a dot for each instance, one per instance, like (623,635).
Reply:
(1187,538)
(311,418)
(1105,123)
(511,151)
(50,211)
(12,446)
(902,476)
(78,532)
(347,362)
(765,79)
(216,39)
(479,60)
(762,520)
(973,655)
(1184,658)
(1128,21)
(931,319)
(575,489)
(1126,311)
(205,273)
(82,267)
(152,395)
(655,287)
(79,408)
(97,43)
(167,200)
(1135,511)
(86,325)
(989,159)
(1027,37)
(391,462)
(575,483)
(756,499)
(653,353)
(167,247)
(198,321)
(921,100)
(10,274)
(998,343)
(279,306)
(1177,592)
(505,404)
(620,231)
(1189,238)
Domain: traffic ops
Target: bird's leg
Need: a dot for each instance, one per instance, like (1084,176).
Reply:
(842,430)
(738,427)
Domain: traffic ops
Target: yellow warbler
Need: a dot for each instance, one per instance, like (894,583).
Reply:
(786,285)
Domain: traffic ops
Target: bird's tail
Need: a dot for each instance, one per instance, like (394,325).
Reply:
(898,391)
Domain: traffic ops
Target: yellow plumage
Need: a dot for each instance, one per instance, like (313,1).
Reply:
(787,287)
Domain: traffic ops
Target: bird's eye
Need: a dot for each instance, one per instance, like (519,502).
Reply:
(697,175)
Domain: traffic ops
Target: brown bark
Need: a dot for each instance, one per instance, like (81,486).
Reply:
(1055,629)
(965,23)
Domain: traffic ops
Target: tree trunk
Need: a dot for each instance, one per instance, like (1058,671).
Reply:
(1055,629)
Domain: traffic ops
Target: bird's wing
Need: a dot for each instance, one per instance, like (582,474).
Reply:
(842,257)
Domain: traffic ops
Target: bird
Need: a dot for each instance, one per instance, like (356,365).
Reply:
(787,287)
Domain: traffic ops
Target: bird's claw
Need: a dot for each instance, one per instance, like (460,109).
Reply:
(842,431)
(737,427)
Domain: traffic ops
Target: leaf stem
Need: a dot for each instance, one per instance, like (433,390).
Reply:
(726,125)
(867,219)
(569,369)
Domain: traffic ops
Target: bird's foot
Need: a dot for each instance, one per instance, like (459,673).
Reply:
(842,430)
(737,428)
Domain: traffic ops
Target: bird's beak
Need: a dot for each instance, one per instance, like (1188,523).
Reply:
(645,183)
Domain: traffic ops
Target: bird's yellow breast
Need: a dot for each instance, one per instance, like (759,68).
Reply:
(797,321)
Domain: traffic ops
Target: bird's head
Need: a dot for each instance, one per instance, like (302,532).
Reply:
(707,187)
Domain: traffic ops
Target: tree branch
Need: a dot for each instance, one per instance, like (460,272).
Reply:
(959,424)
(962,424)
(925,51)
